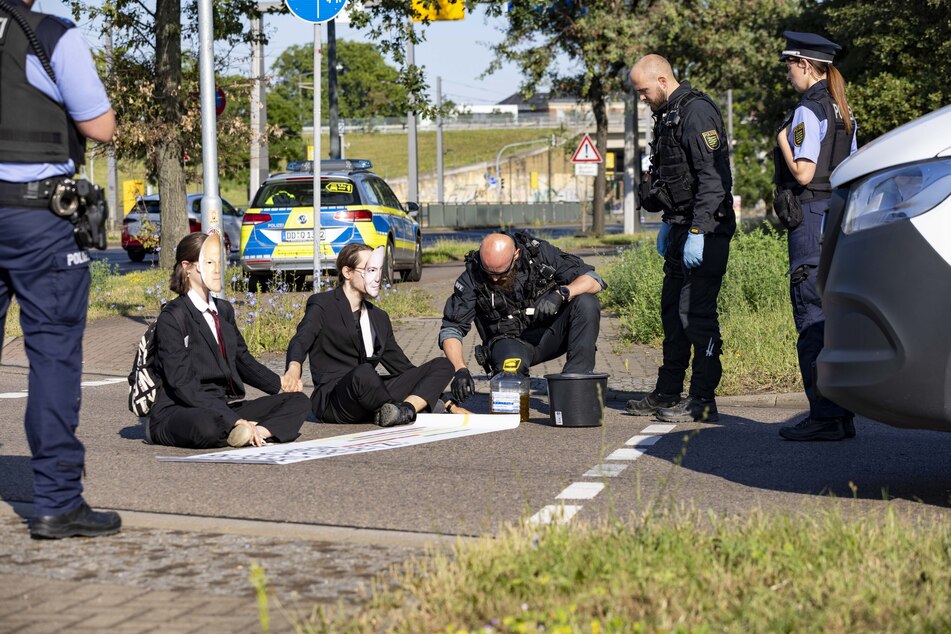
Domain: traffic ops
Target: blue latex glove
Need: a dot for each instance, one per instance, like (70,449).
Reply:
(693,250)
(663,237)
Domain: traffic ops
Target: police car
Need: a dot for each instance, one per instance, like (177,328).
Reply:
(356,205)
(885,276)
(149,208)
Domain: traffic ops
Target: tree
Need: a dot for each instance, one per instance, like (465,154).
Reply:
(368,87)
(153,85)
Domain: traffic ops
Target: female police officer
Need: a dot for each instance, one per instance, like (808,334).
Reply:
(813,139)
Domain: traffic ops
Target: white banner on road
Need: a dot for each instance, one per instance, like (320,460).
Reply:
(427,428)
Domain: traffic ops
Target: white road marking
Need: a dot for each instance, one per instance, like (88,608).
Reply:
(83,384)
(625,454)
(555,514)
(606,470)
(580,491)
(658,429)
(642,441)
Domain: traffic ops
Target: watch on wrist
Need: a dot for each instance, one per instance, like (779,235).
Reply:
(565,292)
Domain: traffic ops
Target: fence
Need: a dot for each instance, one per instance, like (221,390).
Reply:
(470,216)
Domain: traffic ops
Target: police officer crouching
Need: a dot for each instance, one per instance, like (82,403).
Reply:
(816,135)
(530,301)
(51,101)
(690,185)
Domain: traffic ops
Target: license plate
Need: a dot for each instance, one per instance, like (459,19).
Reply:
(302,235)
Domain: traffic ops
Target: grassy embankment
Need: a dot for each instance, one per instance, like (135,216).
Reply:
(386,151)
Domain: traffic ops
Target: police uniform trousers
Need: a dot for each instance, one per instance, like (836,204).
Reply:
(281,414)
(41,265)
(361,392)
(688,306)
(574,331)
(807,305)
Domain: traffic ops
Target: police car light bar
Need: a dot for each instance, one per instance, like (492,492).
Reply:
(330,165)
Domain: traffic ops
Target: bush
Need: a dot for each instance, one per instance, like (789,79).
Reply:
(755,317)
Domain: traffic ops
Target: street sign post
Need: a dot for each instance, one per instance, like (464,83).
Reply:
(316,12)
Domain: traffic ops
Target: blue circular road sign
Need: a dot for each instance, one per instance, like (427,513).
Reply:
(316,11)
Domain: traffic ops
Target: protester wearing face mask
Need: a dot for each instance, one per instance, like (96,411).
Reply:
(346,337)
(204,366)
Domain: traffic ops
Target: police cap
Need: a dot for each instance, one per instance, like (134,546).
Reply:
(809,46)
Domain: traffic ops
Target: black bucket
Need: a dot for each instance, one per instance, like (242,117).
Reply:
(577,400)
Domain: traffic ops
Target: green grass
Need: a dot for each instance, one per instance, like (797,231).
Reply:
(759,339)
(673,571)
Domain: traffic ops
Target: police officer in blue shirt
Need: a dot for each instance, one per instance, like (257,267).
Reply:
(817,135)
(51,101)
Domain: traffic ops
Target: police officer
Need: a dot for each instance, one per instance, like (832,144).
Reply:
(817,135)
(690,185)
(529,300)
(51,101)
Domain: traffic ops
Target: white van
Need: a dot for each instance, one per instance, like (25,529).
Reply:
(885,278)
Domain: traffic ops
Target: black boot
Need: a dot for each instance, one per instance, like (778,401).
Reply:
(690,410)
(392,414)
(649,405)
(815,429)
(80,522)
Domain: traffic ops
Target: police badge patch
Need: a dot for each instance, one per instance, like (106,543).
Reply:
(712,139)
(799,134)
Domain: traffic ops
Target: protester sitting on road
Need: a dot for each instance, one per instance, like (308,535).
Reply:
(204,366)
(530,301)
(346,338)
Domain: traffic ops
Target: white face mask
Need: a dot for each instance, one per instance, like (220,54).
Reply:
(373,272)
(209,263)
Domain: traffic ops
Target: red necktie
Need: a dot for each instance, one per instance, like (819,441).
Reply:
(221,341)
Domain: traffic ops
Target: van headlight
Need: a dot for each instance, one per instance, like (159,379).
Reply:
(898,193)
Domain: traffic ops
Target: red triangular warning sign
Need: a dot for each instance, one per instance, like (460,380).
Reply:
(586,152)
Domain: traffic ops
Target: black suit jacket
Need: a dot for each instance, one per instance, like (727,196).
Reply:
(328,335)
(191,368)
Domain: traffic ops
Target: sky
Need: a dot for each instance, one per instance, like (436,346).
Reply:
(458,51)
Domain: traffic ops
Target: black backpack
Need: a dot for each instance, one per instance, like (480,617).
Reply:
(144,381)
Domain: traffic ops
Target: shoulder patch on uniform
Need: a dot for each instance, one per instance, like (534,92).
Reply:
(799,134)
(460,287)
(712,139)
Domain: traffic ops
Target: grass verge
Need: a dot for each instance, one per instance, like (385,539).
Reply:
(759,339)
(680,571)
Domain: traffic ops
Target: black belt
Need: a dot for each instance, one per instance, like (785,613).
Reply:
(32,194)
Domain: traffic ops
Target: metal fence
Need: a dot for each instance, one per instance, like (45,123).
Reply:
(471,216)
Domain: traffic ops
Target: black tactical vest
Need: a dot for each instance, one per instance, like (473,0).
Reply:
(501,315)
(833,149)
(33,127)
(670,168)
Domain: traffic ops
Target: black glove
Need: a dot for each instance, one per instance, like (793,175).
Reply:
(548,305)
(462,385)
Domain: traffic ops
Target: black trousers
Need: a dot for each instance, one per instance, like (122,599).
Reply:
(198,428)
(361,392)
(688,306)
(574,330)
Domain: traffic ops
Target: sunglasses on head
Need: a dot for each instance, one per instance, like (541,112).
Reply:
(507,269)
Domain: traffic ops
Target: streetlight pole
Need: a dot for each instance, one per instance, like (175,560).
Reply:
(259,146)
(332,88)
(210,200)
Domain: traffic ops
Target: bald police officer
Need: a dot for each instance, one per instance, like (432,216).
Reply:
(529,300)
(690,185)
(51,101)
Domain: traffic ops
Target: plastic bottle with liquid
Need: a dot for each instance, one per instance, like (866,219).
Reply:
(509,392)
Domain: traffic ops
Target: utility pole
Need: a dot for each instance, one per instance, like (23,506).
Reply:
(112,168)
(439,166)
(210,200)
(632,162)
(332,89)
(412,184)
(729,129)
(259,148)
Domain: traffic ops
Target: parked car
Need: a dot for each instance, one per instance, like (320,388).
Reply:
(884,275)
(356,205)
(132,242)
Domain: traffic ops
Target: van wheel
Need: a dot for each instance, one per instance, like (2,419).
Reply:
(416,273)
